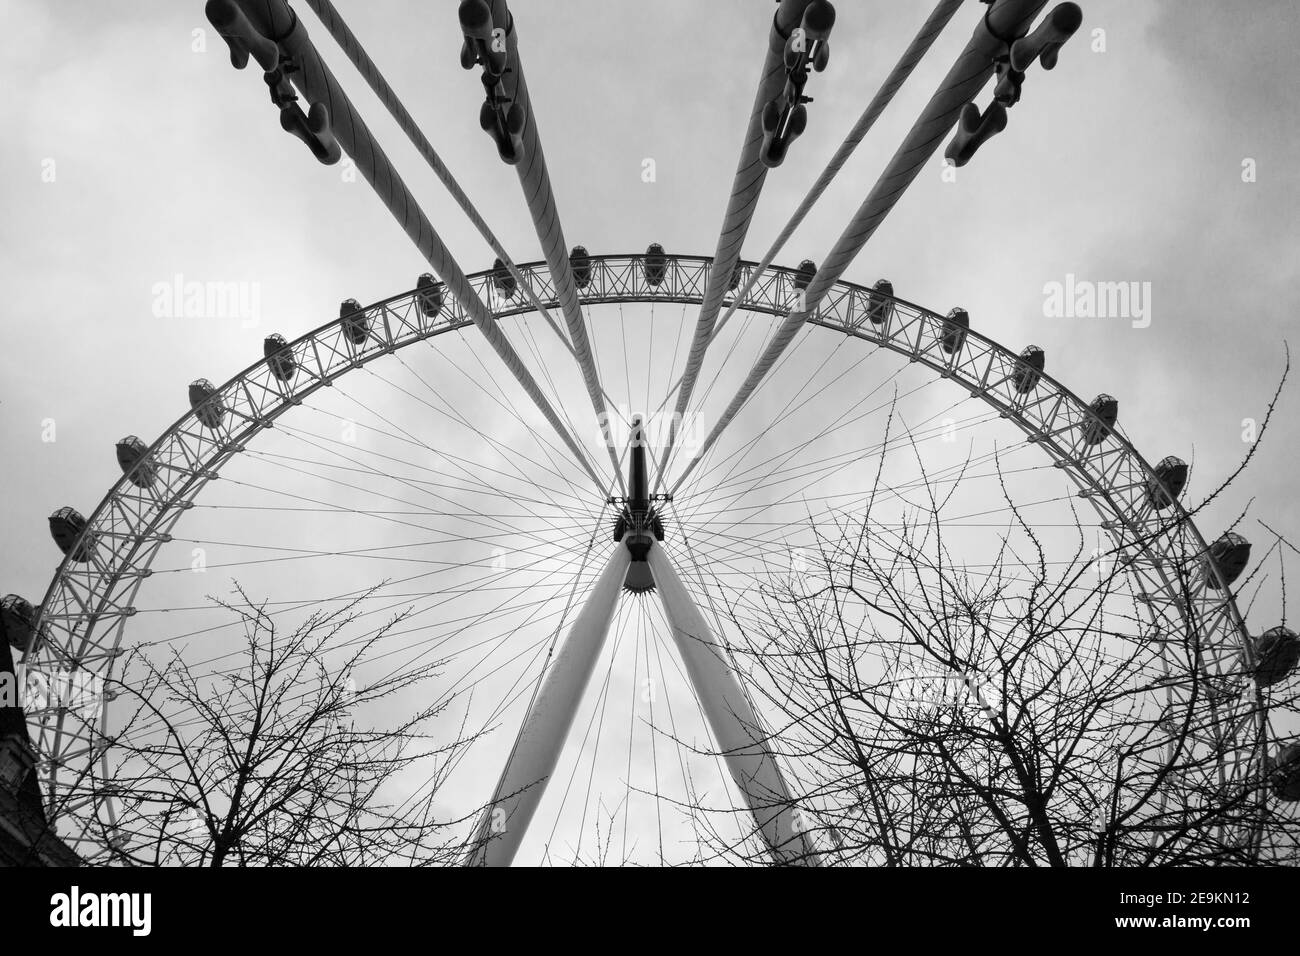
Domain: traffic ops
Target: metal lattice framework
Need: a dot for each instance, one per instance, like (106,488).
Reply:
(82,618)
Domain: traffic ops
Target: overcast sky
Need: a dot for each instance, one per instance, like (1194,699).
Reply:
(133,153)
(1123,165)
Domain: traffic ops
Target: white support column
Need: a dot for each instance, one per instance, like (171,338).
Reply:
(537,749)
(736,728)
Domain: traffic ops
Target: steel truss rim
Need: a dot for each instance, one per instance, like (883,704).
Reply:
(615,279)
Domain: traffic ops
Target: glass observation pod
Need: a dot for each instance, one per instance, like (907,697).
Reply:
(279,357)
(580,265)
(430,291)
(502,280)
(205,404)
(1029,369)
(1285,773)
(1168,483)
(1277,651)
(132,457)
(804,274)
(655,265)
(66,526)
(1106,408)
(956,325)
(356,324)
(880,302)
(1230,554)
(18,619)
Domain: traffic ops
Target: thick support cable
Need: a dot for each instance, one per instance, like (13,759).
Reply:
(1004,21)
(347,41)
(745,189)
(913,55)
(536,184)
(275,20)
(350,45)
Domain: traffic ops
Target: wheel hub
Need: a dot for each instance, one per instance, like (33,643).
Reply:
(639,525)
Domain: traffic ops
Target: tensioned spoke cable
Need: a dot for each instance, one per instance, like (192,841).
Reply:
(502,402)
(744,544)
(315,474)
(688,779)
(595,721)
(786,359)
(721,521)
(479,487)
(744,483)
(461,464)
(733,463)
(791,406)
(436,640)
(437,599)
(879,448)
(631,732)
(441,509)
(741,485)
(955,472)
(451,414)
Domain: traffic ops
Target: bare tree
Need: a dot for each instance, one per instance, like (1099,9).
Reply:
(273,762)
(1026,713)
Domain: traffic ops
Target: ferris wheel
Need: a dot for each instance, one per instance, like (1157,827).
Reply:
(587,558)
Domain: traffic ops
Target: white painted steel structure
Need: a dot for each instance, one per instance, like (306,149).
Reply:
(85,612)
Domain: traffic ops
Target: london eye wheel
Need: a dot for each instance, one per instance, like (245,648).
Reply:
(580,519)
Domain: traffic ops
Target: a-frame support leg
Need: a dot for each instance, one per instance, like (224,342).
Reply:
(735,726)
(537,748)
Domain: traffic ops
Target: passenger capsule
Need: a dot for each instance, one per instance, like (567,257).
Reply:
(279,357)
(502,280)
(356,324)
(66,527)
(1230,554)
(955,327)
(207,407)
(1029,369)
(1106,410)
(1277,651)
(18,620)
(804,274)
(655,265)
(1168,482)
(132,456)
(430,295)
(580,263)
(1284,773)
(733,283)
(880,301)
